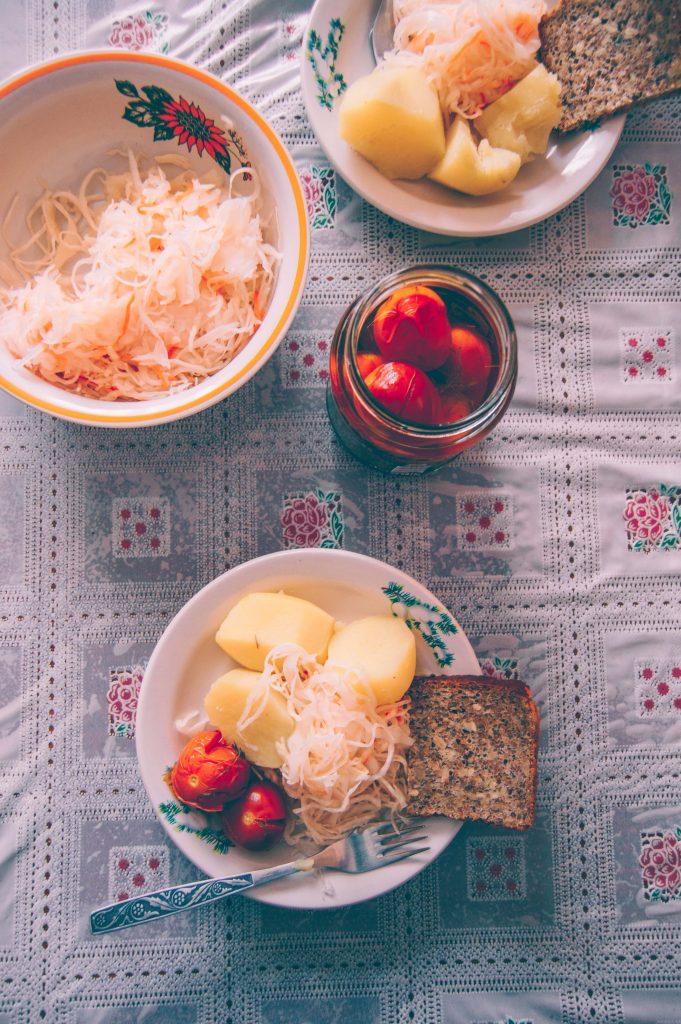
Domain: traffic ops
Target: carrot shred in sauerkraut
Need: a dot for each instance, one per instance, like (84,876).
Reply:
(138,283)
(471,51)
(344,764)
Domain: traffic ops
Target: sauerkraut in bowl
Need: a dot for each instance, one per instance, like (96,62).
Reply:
(154,240)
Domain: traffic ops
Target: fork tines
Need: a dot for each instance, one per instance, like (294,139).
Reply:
(390,858)
(395,840)
(386,837)
(388,845)
(399,827)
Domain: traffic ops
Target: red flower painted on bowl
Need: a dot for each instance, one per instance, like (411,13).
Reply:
(632,192)
(193,128)
(304,521)
(661,864)
(646,514)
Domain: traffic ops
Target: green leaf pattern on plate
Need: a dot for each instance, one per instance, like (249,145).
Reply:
(322,55)
(173,811)
(433,623)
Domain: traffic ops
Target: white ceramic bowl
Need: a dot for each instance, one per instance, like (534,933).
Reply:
(186,661)
(61,119)
(337,51)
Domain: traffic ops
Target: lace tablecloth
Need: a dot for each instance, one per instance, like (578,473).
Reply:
(557,543)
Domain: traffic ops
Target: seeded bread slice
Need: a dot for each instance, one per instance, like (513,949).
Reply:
(475,749)
(609,54)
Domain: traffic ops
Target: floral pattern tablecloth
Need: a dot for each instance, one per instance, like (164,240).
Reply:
(557,543)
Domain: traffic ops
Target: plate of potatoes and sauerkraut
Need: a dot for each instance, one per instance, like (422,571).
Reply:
(274,717)
(453,131)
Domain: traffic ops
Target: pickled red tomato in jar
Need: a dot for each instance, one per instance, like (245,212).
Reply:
(426,357)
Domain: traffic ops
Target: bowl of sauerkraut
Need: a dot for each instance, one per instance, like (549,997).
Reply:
(341,763)
(153,239)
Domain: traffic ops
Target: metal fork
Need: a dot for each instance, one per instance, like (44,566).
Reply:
(372,848)
(382,30)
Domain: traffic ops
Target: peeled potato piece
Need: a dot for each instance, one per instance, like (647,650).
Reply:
(382,647)
(392,117)
(261,621)
(471,168)
(225,702)
(524,117)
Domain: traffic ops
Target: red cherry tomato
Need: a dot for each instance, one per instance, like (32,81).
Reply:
(455,407)
(405,391)
(412,327)
(470,360)
(257,819)
(368,361)
(209,772)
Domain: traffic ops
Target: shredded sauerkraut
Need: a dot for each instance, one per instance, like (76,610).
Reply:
(344,764)
(138,283)
(471,51)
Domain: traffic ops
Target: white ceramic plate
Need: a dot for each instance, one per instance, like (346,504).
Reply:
(61,119)
(542,187)
(186,661)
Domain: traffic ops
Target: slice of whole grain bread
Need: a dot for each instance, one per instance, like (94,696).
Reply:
(475,749)
(609,54)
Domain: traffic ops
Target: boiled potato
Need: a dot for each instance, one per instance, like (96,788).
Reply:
(524,117)
(392,117)
(472,168)
(383,648)
(261,621)
(224,705)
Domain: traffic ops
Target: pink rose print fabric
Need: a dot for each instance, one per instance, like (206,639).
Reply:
(122,698)
(319,189)
(640,195)
(660,863)
(312,520)
(140,32)
(652,518)
(499,668)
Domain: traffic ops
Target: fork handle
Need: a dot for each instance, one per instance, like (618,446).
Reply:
(151,906)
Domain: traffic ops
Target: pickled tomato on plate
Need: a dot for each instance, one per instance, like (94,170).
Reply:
(258,818)
(209,772)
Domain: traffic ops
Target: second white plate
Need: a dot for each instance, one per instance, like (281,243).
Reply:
(186,661)
(336,51)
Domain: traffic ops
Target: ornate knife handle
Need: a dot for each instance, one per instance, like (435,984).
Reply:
(152,905)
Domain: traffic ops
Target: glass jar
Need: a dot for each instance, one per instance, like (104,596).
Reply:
(385,441)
